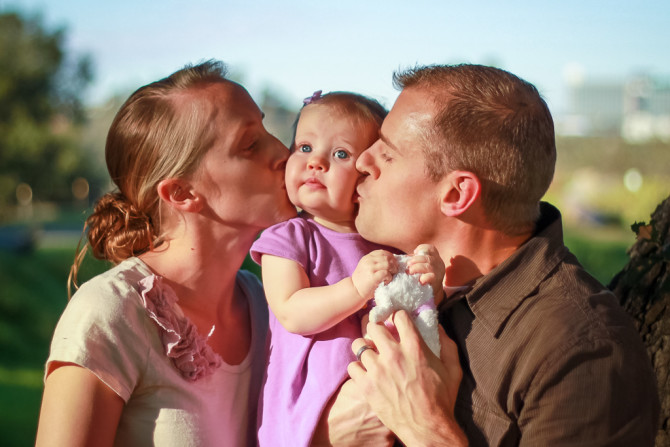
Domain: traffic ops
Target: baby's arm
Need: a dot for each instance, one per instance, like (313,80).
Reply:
(306,310)
(427,261)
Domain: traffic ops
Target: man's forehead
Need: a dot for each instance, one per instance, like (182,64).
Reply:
(414,107)
(410,118)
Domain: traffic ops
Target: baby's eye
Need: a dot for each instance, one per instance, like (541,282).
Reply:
(341,154)
(305,148)
(386,157)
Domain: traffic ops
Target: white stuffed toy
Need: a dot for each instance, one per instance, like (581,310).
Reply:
(407,293)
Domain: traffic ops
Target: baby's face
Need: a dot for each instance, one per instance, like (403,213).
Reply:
(321,173)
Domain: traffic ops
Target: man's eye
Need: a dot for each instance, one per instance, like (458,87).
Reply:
(341,154)
(305,148)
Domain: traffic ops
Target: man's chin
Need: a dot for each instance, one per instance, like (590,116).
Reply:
(366,227)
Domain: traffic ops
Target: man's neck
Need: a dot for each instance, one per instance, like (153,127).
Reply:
(474,252)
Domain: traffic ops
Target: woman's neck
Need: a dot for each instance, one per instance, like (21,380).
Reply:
(200,269)
(203,272)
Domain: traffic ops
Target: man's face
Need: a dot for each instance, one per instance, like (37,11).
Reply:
(399,203)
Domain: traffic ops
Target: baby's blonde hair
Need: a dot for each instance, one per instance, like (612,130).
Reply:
(360,107)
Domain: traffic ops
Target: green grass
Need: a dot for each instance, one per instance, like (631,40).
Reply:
(602,251)
(33,294)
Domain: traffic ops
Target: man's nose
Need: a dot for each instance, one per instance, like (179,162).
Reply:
(364,163)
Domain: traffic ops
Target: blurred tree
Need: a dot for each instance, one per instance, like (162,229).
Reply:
(643,288)
(41,110)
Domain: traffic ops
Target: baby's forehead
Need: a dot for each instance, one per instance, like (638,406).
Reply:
(342,109)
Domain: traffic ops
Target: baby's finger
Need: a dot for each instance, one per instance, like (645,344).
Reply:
(427,278)
(424,249)
(420,265)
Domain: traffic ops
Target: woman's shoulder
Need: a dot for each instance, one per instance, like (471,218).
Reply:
(106,329)
(252,288)
(116,288)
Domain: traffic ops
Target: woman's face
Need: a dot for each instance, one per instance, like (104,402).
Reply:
(243,173)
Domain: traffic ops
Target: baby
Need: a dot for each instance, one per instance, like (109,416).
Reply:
(318,273)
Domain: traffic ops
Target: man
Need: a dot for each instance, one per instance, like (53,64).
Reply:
(547,356)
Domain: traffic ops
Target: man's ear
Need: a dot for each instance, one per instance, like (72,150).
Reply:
(179,194)
(461,189)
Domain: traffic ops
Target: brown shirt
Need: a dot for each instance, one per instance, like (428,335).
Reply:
(549,357)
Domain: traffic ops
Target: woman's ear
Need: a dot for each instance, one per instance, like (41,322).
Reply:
(461,190)
(179,194)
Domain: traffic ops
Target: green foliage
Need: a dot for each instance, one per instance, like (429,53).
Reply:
(41,110)
(19,411)
(601,257)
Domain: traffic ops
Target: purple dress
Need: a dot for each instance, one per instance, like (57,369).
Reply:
(305,371)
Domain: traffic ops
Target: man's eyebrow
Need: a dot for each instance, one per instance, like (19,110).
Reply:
(387,142)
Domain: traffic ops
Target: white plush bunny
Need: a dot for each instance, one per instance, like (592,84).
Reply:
(407,293)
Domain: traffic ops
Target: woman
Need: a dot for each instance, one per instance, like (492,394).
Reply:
(167,347)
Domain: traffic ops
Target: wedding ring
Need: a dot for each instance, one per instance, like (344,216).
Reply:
(362,350)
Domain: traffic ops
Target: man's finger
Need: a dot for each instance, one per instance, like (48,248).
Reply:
(380,336)
(356,371)
(406,329)
(449,353)
(357,344)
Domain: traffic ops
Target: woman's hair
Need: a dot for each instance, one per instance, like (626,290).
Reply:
(495,125)
(359,107)
(161,131)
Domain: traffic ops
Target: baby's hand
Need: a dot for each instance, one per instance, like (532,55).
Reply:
(427,261)
(373,269)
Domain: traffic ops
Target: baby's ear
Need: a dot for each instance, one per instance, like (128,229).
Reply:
(461,189)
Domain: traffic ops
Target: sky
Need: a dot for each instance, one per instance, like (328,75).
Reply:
(296,47)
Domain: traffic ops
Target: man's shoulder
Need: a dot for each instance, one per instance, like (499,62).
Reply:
(570,308)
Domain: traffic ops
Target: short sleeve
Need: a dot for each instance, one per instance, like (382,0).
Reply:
(287,240)
(104,329)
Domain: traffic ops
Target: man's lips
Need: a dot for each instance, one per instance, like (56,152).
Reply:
(357,192)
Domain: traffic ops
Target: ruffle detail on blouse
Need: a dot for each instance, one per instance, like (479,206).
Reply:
(189,351)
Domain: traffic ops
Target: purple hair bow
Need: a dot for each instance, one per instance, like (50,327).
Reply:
(315,97)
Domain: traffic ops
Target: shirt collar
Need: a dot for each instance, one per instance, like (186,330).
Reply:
(496,295)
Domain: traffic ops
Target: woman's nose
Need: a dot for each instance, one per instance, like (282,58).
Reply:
(280,153)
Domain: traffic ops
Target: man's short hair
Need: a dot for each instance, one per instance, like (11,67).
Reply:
(495,125)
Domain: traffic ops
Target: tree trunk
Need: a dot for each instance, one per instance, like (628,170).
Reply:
(643,289)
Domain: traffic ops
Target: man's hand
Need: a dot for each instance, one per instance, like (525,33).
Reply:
(412,391)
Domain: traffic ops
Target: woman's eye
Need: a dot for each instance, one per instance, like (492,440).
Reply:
(341,154)
(305,148)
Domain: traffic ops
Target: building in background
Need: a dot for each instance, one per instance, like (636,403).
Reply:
(637,109)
